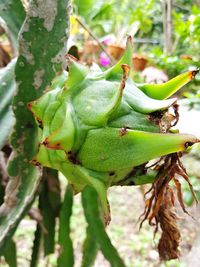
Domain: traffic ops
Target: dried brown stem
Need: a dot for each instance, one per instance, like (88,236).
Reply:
(95,38)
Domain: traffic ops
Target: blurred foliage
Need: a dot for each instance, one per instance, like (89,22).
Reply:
(187,32)
(143,18)
(188,198)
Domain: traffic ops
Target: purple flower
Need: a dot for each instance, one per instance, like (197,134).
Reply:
(104,60)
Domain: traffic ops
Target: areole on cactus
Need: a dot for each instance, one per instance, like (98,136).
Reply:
(101,129)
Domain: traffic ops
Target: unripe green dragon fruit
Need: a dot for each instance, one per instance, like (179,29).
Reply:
(100,129)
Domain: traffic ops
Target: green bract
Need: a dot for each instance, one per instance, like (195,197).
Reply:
(97,127)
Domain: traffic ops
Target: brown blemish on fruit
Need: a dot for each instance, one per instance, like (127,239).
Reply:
(123,131)
(57,145)
(50,145)
(35,162)
(71,157)
(45,142)
(40,123)
(111,173)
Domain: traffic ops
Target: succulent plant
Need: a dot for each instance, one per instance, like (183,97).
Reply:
(100,128)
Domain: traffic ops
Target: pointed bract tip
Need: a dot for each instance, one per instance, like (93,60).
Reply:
(126,69)
(129,41)
(193,140)
(125,60)
(193,73)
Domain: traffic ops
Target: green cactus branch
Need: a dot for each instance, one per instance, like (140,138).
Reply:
(97,229)
(13,14)
(42,44)
(66,255)
(7,89)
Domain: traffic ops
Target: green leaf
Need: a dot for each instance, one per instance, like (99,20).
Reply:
(49,204)
(42,40)
(36,247)
(66,257)
(13,13)
(91,209)
(88,8)
(7,89)
(90,250)
(10,254)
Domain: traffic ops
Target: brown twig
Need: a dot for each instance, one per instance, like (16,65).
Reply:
(86,28)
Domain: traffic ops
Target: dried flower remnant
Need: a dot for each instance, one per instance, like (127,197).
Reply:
(159,208)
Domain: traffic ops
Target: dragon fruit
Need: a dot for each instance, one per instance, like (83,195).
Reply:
(101,129)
